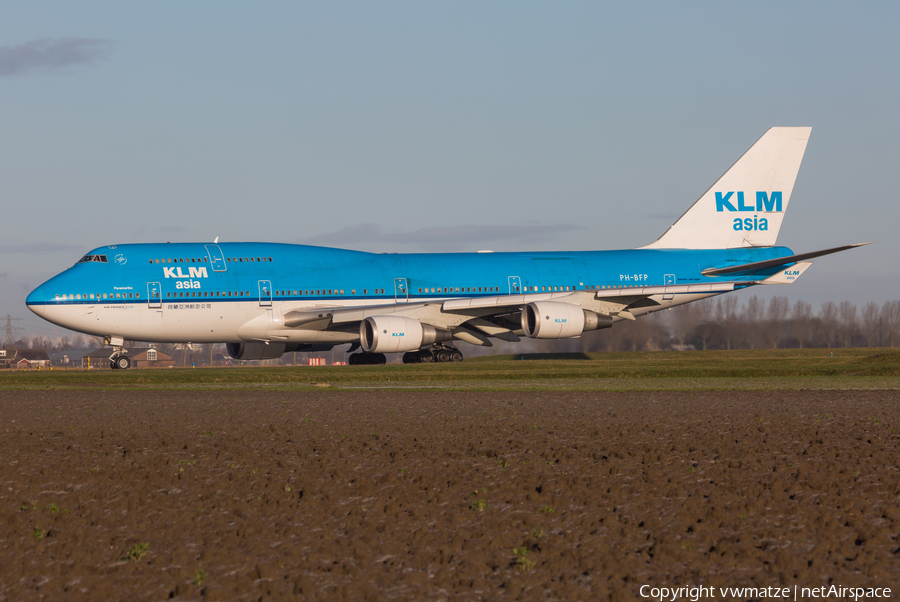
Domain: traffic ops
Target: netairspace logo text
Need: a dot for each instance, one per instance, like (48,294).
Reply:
(838,592)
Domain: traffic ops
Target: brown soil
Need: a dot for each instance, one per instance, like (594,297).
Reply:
(426,495)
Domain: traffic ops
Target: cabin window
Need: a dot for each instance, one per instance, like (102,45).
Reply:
(365,291)
(342,291)
(353,291)
(257,259)
(420,289)
(270,259)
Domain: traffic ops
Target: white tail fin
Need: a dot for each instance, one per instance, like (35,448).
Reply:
(745,207)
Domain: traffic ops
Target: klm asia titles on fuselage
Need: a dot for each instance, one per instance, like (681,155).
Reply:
(192,273)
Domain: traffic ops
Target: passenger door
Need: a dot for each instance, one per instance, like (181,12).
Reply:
(216,258)
(515,285)
(265,293)
(401,291)
(669,280)
(154,295)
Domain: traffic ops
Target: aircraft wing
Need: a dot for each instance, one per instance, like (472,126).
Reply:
(477,319)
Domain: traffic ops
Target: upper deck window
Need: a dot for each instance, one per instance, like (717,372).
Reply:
(97,258)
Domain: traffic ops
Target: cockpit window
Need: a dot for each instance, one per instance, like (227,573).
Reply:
(97,258)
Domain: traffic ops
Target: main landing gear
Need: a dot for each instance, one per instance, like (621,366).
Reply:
(438,353)
(366,359)
(118,360)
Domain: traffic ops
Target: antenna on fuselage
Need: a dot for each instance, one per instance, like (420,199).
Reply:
(216,241)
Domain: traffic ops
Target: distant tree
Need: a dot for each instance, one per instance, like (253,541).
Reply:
(802,322)
(776,316)
(847,322)
(726,316)
(871,320)
(683,320)
(890,319)
(752,315)
(828,323)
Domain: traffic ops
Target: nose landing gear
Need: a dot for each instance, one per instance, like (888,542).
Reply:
(118,360)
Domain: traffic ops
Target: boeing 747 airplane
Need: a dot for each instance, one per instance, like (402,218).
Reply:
(266,299)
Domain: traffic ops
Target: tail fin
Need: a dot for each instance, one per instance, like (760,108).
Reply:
(744,208)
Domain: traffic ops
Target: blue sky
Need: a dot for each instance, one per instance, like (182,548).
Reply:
(410,126)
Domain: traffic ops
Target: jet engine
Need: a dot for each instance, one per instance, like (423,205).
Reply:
(394,334)
(555,320)
(255,351)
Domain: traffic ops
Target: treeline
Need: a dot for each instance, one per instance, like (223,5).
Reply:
(724,323)
(718,323)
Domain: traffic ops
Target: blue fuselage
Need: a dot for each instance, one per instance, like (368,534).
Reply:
(242,272)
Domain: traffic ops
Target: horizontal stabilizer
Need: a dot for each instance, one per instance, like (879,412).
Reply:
(788,275)
(749,268)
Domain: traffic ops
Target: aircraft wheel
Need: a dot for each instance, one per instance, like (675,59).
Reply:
(426,356)
(353,360)
(112,365)
(456,356)
(123,362)
(379,359)
(409,357)
(442,356)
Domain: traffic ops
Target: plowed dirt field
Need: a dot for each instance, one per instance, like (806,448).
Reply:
(386,495)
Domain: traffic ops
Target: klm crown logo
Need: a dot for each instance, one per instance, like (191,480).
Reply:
(764,202)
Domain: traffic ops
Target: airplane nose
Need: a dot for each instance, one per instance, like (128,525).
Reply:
(36,301)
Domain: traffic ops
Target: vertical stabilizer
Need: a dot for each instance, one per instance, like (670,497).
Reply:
(744,208)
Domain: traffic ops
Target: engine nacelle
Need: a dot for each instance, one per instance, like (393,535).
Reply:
(555,320)
(255,351)
(396,334)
